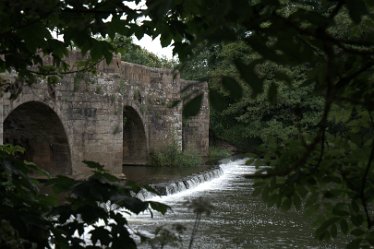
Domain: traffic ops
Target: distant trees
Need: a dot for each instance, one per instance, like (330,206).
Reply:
(133,53)
(239,117)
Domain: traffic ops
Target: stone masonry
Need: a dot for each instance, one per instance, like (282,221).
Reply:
(117,115)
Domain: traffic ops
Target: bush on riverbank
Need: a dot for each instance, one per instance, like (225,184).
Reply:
(171,156)
(217,153)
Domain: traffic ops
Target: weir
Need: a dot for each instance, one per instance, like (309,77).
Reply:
(237,220)
(182,184)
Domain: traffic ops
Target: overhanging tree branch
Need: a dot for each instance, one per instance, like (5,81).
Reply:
(364,180)
(84,69)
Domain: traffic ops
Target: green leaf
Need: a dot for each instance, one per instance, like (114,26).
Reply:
(233,87)
(217,100)
(249,75)
(297,202)
(339,210)
(369,3)
(165,40)
(272,93)
(52,80)
(355,207)
(100,49)
(357,220)
(57,47)
(61,183)
(100,234)
(116,26)
(193,106)
(257,191)
(258,43)
(280,76)
(370,238)
(160,207)
(356,8)
(322,230)
(12,149)
(333,231)
(318,74)
(354,244)
(286,204)
(133,204)
(344,226)
(357,232)
(151,189)
(93,165)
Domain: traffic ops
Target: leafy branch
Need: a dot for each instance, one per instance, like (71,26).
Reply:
(364,180)
(91,65)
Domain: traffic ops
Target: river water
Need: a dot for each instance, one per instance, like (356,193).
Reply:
(238,220)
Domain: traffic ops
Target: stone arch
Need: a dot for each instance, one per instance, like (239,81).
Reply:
(37,127)
(135,145)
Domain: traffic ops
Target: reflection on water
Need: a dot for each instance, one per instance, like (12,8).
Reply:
(238,221)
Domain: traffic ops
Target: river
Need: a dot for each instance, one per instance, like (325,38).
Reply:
(238,220)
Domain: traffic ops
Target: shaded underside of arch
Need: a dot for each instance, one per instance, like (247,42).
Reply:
(38,129)
(134,139)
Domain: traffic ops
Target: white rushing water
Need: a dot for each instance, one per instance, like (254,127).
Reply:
(238,220)
(230,170)
(176,191)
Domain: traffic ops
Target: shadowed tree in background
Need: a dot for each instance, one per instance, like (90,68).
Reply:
(328,46)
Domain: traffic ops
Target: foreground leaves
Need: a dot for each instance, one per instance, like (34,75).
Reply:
(317,137)
(63,212)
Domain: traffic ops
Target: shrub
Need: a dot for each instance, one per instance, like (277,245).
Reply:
(189,159)
(31,219)
(171,156)
(217,153)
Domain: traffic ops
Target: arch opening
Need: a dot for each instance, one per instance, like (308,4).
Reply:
(38,129)
(135,150)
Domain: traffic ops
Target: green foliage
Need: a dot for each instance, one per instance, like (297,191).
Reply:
(250,161)
(217,153)
(313,60)
(171,156)
(247,121)
(98,90)
(133,53)
(28,34)
(250,121)
(318,137)
(57,211)
(166,237)
(198,66)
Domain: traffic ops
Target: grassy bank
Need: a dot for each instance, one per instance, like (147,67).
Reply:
(171,156)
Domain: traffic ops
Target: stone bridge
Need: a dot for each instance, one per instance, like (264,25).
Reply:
(117,115)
